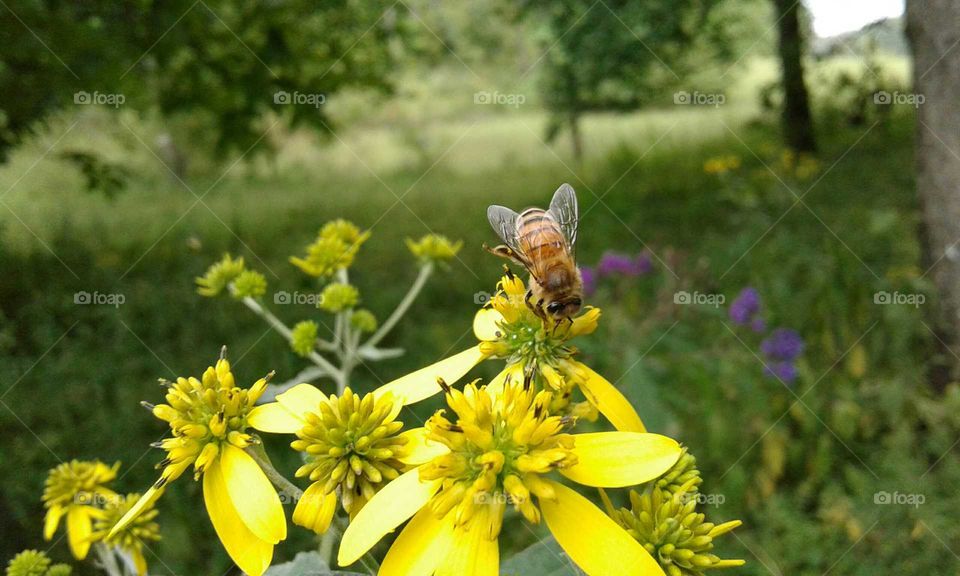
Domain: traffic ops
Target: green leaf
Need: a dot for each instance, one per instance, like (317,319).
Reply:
(545,558)
(306,564)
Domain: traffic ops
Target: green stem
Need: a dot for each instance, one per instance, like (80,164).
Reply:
(425,271)
(282,328)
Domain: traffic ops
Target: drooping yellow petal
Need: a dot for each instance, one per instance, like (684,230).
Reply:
(391,506)
(473,553)
(608,400)
(597,544)
(618,459)
(79,528)
(253,496)
(139,561)
(420,449)
(148,499)
(274,418)
(421,546)
(585,323)
(315,509)
(52,520)
(422,384)
(485,324)
(301,399)
(250,553)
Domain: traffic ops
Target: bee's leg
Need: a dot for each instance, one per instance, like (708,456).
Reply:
(505,252)
(539,311)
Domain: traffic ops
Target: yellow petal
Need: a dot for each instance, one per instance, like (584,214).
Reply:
(253,496)
(139,562)
(585,323)
(79,528)
(474,552)
(250,553)
(618,459)
(315,509)
(608,400)
(422,384)
(420,449)
(512,373)
(274,418)
(148,498)
(301,399)
(485,324)
(390,507)
(52,520)
(597,544)
(421,546)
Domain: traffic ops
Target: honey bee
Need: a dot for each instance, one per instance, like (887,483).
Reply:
(542,241)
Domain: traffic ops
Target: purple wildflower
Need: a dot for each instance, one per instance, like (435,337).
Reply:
(782,344)
(758,325)
(786,372)
(589,277)
(644,263)
(745,307)
(615,263)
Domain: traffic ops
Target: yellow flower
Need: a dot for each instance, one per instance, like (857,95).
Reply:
(434,248)
(500,451)
(351,445)
(76,490)
(334,249)
(535,351)
(219,275)
(131,538)
(208,418)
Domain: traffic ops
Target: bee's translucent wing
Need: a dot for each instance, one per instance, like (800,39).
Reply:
(564,210)
(504,222)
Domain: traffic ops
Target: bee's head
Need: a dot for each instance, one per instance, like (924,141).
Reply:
(564,308)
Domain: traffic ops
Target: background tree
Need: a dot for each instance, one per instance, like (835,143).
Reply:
(933,34)
(797,120)
(620,55)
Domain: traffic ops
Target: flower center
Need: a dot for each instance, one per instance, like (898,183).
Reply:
(499,448)
(352,443)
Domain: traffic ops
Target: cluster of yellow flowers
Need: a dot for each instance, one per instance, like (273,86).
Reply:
(721,164)
(508,443)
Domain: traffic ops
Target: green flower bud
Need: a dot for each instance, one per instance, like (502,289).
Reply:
(304,337)
(219,275)
(249,283)
(59,570)
(434,248)
(28,563)
(337,297)
(363,320)
(344,230)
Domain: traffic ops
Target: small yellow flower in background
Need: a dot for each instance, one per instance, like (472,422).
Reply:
(535,352)
(334,249)
(249,283)
(499,451)
(363,320)
(337,297)
(35,563)
(721,164)
(434,248)
(208,418)
(132,537)
(75,490)
(351,445)
(303,337)
(219,275)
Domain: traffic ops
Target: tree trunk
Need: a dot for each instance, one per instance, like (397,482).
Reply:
(933,29)
(797,121)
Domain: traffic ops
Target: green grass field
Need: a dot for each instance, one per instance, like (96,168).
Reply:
(802,475)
